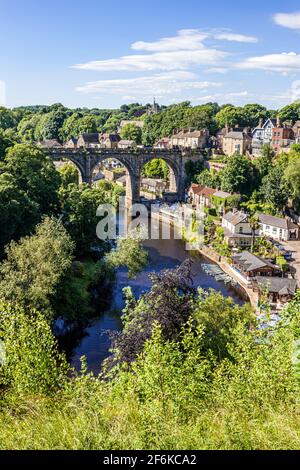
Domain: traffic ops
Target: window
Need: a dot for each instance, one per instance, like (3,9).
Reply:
(241,230)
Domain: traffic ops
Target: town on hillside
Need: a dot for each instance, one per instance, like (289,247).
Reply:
(257,244)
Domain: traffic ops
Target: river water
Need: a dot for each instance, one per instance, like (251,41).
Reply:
(94,342)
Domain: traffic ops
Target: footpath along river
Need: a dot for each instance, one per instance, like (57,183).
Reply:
(94,342)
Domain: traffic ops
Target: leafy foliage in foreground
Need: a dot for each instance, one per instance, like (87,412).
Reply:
(178,392)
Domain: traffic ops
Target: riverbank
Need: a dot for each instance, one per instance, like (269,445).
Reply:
(225,266)
(169,217)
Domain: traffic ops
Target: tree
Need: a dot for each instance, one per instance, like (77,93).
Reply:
(33,363)
(7,118)
(18,213)
(79,205)
(192,171)
(212,179)
(274,188)
(292,177)
(219,316)
(132,132)
(290,112)
(156,168)
(129,253)
(238,175)
(34,174)
(254,225)
(53,124)
(35,265)
(231,116)
(265,161)
(5,143)
(69,174)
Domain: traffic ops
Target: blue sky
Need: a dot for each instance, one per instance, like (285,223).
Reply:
(104,54)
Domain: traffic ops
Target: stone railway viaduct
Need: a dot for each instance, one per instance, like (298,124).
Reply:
(87,159)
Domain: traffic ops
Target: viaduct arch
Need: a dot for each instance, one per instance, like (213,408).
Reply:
(133,160)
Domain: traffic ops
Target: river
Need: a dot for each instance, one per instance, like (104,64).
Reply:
(94,343)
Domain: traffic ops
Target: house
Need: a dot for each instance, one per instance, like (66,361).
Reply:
(262,135)
(279,290)
(72,143)
(50,143)
(162,144)
(237,141)
(151,185)
(278,228)
(122,181)
(220,137)
(126,144)
(194,193)
(248,266)
(190,139)
(89,141)
(205,195)
(237,229)
(109,141)
(282,138)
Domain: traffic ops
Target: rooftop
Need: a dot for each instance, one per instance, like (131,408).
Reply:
(250,262)
(236,218)
(278,222)
(278,285)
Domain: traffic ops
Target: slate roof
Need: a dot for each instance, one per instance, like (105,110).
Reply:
(222,194)
(278,222)
(50,143)
(250,262)
(235,218)
(90,138)
(278,285)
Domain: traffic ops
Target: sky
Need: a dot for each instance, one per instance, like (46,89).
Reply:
(103,54)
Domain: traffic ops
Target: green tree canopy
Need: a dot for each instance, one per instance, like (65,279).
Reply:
(34,266)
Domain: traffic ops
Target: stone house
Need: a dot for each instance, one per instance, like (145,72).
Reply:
(278,228)
(162,144)
(72,143)
(109,141)
(190,139)
(88,141)
(237,141)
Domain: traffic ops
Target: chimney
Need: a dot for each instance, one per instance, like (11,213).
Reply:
(261,122)
(278,122)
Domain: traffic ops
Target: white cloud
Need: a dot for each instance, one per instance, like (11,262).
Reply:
(186,39)
(227,36)
(157,61)
(142,87)
(284,62)
(182,51)
(288,20)
(224,97)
